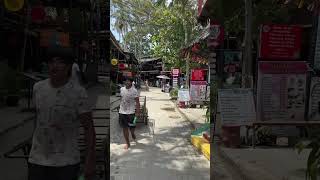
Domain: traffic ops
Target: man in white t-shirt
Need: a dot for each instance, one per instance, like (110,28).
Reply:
(61,106)
(129,108)
(75,75)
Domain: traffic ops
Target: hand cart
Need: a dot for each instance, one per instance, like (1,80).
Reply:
(143,117)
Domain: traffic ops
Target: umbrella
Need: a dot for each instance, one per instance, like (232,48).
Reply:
(163,77)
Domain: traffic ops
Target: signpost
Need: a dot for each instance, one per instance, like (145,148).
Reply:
(175,75)
(198,90)
(281,91)
(236,106)
(183,95)
(280,42)
(197,75)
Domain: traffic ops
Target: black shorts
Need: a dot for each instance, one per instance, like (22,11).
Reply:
(38,172)
(126,120)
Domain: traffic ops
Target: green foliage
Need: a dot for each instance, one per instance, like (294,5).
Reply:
(174,93)
(154,28)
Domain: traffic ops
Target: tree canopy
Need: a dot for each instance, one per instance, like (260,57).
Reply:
(156,28)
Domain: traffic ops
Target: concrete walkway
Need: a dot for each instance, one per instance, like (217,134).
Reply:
(268,163)
(166,155)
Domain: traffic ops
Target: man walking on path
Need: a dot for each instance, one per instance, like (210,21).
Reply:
(61,106)
(129,108)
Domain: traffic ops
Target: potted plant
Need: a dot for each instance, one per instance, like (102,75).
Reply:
(174,94)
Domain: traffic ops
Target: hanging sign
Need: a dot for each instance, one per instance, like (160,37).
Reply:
(281,91)
(216,36)
(314,100)
(280,42)
(14,5)
(197,75)
(236,106)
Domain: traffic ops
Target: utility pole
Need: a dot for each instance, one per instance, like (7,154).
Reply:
(247,79)
(188,70)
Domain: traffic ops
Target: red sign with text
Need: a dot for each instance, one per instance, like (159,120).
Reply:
(197,75)
(280,42)
(283,67)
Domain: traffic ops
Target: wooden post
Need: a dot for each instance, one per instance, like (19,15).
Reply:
(247,79)
(188,70)
(26,30)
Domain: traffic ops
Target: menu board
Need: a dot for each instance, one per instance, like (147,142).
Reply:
(314,101)
(183,95)
(281,91)
(198,90)
(236,106)
(280,42)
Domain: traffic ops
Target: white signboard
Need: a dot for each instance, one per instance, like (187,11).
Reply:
(314,101)
(183,95)
(281,91)
(236,106)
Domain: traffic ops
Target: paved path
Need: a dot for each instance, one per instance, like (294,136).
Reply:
(166,155)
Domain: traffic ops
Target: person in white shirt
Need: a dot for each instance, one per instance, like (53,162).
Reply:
(76,74)
(61,106)
(129,109)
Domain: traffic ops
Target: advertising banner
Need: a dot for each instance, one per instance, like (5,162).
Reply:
(197,75)
(198,90)
(281,92)
(280,42)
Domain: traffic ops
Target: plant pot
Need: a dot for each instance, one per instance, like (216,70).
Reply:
(12,101)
